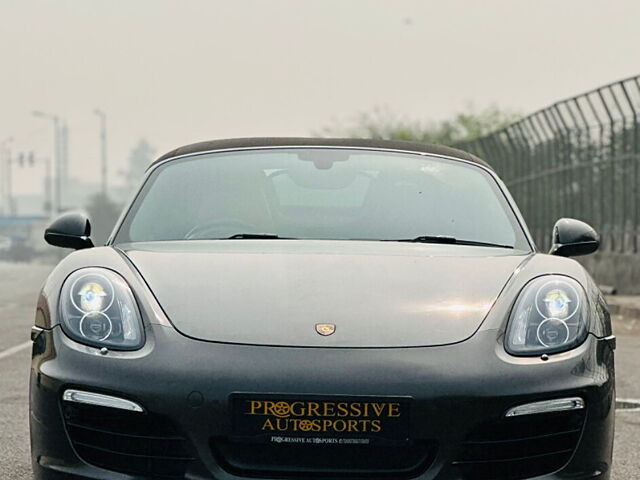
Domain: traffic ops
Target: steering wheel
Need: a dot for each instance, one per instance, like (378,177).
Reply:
(219,228)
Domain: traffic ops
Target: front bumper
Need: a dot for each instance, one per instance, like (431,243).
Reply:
(458,391)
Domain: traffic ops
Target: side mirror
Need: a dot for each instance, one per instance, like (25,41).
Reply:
(71,230)
(572,237)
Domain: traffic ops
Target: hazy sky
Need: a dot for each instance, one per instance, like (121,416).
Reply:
(180,71)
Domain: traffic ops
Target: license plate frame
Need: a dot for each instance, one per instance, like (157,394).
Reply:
(302,419)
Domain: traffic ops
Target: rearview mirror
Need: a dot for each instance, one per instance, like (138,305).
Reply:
(572,237)
(71,230)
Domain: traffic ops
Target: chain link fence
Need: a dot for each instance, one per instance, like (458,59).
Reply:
(578,158)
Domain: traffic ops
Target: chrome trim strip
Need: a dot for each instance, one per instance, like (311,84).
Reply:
(101,400)
(35,331)
(612,341)
(547,406)
(333,147)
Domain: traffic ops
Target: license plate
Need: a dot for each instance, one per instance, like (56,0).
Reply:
(320,419)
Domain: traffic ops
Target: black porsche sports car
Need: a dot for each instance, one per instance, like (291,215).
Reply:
(315,308)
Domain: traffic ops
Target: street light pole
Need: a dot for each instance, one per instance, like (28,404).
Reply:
(103,149)
(63,168)
(5,170)
(55,173)
(29,159)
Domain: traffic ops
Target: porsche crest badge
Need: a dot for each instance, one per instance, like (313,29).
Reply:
(325,329)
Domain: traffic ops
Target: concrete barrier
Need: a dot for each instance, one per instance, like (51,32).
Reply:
(620,270)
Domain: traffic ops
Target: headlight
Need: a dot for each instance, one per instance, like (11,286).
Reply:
(550,316)
(97,308)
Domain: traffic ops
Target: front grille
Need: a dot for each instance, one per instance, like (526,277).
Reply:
(126,442)
(520,447)
(324,461)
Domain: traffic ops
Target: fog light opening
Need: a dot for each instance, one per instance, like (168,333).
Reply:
(547,406)
(101,400)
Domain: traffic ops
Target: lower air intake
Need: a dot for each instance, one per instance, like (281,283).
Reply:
(325,461)
(126,442)
(520,447)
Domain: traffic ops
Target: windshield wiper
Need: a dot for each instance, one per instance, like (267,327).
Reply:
(421,239)
(256,236)
(451,240)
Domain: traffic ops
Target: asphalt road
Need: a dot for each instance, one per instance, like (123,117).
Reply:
(19,285)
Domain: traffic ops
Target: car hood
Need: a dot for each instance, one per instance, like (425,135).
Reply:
(377,294)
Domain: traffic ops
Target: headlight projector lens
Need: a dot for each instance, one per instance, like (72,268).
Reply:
(96,326)
(552,332)
(92,293)
(557,299)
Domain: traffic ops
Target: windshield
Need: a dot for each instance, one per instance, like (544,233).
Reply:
(321,193)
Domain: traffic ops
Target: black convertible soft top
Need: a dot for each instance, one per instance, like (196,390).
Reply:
(232,143)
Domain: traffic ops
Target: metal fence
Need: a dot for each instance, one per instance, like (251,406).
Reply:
(578,158)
